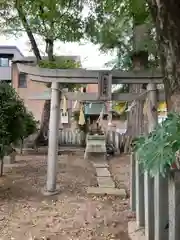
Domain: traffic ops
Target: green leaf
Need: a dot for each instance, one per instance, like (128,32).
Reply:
(156,152)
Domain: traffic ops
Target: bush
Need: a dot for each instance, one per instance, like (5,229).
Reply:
(157,151)
(16,122)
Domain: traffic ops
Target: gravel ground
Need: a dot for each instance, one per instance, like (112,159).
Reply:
(71,215)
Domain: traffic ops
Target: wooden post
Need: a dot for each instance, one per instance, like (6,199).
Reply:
(148,181)
(53,140)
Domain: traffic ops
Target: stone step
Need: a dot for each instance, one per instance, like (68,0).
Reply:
(105,182)
(100,165)
(103,172)
(100,191)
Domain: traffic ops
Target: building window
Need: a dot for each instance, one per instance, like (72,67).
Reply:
(4,62)
(22,81)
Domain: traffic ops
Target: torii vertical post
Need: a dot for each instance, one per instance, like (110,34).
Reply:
(53,139)
(140,60)
(152,116)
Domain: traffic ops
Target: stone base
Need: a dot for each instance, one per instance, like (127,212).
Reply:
(134,233)
(48,193)
(100,191)
(9,159)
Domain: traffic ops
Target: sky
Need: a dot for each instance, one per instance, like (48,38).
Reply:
(91,57)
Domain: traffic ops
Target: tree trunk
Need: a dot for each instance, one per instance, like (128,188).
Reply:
(135,126)
(42,138)
(135,116)
(165,15)
(44,127)
(27,28)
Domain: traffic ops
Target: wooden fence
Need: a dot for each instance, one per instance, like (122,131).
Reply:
(70,137)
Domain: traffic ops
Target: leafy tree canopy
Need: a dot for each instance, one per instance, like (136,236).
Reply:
(111,24)
(50,19)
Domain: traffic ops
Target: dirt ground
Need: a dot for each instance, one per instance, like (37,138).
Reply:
(71,215)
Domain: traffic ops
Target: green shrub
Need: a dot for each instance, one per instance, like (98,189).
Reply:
(16,122)
(157,151)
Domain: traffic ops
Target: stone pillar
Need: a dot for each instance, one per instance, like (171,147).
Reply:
(160,207)
(174,205)
(10,159)
(133,182)
(53,139)
(149,206)
(140,220)
(148,181)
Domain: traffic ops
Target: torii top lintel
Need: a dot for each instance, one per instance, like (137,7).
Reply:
(83,76)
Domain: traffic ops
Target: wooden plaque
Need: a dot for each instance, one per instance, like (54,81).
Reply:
(104,86)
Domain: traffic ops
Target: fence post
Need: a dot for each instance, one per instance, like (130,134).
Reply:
(160,207)
(117,141)
(133,181)
(140,220)
(174,205)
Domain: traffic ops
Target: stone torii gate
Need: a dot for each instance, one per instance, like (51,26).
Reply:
(145,192)
(104,79)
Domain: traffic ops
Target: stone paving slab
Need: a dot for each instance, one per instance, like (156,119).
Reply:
(134,233)
(103,172)
(106,191)
(105,182)
(100,165)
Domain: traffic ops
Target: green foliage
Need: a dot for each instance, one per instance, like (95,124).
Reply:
(112,25)
(16,123)
(156,151)
(62,63)
(29,125)
(50,19)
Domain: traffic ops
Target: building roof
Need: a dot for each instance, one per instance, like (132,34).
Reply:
(5,47)
(32,59)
